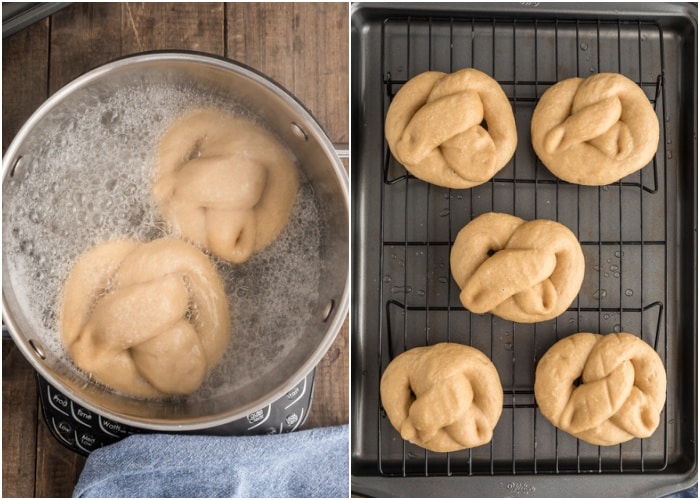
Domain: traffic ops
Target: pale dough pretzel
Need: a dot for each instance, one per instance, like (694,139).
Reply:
(595,131)
(621,393)
(146,319)
(523,271)
(224,183)
(434,128)
(444,397)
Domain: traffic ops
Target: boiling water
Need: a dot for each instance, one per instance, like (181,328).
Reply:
(88,180)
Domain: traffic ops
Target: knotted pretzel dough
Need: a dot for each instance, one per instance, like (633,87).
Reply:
(523,271)
(434,127)
(146,319)
(444,397)
(595,131)
(622,389)
(224,183)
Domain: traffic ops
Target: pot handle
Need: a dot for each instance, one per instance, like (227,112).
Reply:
(342,149)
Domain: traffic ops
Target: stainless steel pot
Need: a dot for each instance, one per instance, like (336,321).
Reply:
(267,103)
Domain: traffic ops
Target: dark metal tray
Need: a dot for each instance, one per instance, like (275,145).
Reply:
(639,238)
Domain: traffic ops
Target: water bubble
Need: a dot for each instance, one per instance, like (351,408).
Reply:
(110,118)
(508,346)
(442,279)
(70,125)
(33,166)
(600,294)
(614,267)
(619,253)
(386,278)
(629,292)
(445,212)
(606,316)
(617,328)
(26,246)
(583,46)
(421,293)
(35,217)
(591,69)
(616,275)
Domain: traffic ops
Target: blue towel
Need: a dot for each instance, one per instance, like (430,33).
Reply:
(308,463)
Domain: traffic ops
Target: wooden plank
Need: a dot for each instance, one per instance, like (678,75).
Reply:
(167,25)
(321,64)
(23,85)
(83,36)
(261,35)
(303,47)
(19,429)
(330,404)
(57,467)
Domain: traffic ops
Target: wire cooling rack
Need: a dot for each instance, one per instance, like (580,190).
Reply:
(622,229)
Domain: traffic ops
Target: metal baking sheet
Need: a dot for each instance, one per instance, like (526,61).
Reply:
(639,238)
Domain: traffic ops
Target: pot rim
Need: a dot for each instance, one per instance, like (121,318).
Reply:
(313,129)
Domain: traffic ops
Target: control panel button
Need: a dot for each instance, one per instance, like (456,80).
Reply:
(258,417)
(58,400)
(112,428)
(295,394)
(291,419)
(86,441)
(82,415)
(63,430)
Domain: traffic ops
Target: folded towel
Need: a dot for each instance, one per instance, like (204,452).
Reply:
(308,463)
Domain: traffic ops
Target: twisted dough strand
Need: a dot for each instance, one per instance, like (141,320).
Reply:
(445,397)
(622,390)
(523,271)
(434,127)
(145,319)
(595,131)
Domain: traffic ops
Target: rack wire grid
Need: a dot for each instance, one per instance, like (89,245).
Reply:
(622,229)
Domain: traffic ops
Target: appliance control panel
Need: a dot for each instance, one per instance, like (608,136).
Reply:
(75,427)
(83,430)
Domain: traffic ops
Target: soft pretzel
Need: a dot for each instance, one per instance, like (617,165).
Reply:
(146,319)
(595,131)
(621,393)
(444,397)
(224,183)
(523,271)
(434,127)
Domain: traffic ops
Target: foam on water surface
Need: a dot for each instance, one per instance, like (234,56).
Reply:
(88,180)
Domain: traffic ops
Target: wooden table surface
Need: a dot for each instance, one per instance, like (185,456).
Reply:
(302,46)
